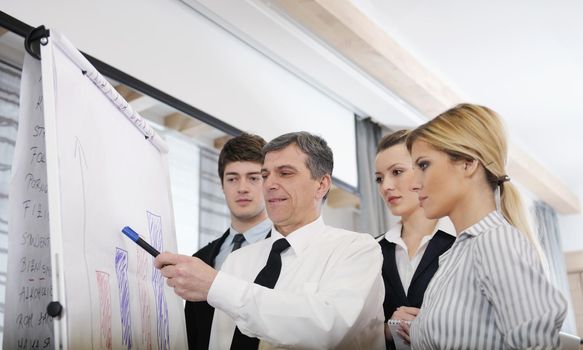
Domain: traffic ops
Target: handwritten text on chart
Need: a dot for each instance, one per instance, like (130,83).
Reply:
(35,209)
(35,266)
(35,240)
(33,343)
(32,293)
(37,155)
(29,288)
(35,183)
(29,320)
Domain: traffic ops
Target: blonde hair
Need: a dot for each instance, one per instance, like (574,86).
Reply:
(473,132)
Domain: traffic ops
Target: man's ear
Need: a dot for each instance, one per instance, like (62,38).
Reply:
(324,186)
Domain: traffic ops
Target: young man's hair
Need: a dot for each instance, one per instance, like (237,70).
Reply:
(242,148)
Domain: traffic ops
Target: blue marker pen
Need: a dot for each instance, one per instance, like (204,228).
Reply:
(133,235)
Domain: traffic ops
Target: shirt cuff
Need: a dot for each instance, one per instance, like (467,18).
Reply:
(227,293)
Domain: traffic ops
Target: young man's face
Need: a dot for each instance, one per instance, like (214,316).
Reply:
(243,189)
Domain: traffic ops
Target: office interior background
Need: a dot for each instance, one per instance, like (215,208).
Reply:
(349,70)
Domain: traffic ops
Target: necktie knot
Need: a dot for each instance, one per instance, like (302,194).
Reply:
(237,241)
(279,246)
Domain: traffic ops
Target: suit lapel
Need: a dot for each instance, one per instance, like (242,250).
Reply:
(390,271)
(437,246)
(215,247)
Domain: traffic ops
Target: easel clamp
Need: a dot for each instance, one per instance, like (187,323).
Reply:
(34,39)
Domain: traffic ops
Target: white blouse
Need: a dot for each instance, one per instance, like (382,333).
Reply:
(405,265)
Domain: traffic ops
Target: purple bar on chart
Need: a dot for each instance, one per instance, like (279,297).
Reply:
(155,226)
(121,270)
(144,261)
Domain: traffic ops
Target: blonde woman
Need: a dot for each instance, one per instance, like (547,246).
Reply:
(490,291)
(411,248)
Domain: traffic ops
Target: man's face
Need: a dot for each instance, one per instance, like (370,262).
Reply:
(242,186)
(293,198)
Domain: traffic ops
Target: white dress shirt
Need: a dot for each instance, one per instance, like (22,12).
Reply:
(405,265)
(490,292)
(252,235)
(329,294)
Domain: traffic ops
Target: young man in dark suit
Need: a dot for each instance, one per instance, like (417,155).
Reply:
(240,173)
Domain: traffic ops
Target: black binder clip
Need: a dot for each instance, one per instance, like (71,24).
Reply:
(34,39)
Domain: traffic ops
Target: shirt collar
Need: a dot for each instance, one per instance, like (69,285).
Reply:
(252,235)
(394,233)
(493,219)
(301,238)
(443,224)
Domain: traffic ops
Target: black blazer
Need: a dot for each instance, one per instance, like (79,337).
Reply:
(394,293)
(199,314)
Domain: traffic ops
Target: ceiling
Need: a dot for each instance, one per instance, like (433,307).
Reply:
(523,58)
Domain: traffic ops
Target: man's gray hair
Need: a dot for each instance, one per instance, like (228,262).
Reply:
(320,158)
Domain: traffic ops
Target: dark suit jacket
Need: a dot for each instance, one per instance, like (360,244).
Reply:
(199,315)
(394,293)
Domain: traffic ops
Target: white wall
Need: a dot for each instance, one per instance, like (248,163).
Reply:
(345,217)
(183,163)
(168,45)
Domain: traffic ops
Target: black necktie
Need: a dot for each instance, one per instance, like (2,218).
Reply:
(267,277)
(237,241)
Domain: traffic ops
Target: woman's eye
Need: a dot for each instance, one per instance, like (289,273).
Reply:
(423,165)
(397,172)
(378,180)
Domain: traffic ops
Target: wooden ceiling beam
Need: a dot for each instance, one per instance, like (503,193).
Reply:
(127,93)
(199,130)
(180,122)
(338,198)
(352,34)
(219,142)
(187,125)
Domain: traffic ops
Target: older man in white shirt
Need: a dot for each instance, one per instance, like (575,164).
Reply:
(309,286)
